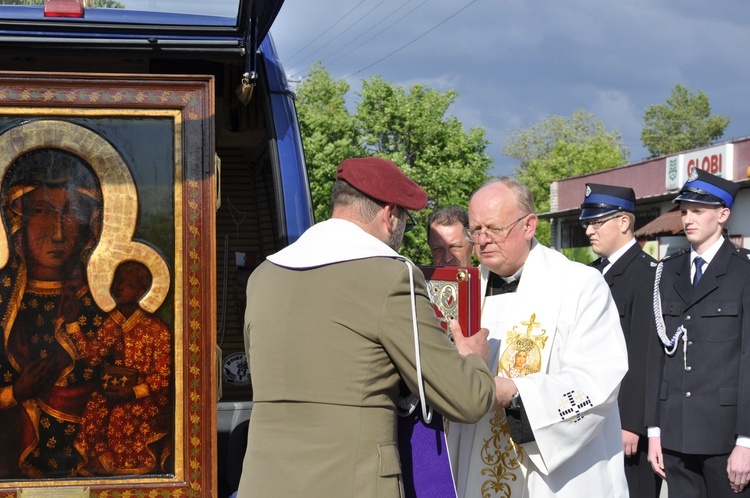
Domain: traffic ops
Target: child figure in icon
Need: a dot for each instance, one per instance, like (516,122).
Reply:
(124,423)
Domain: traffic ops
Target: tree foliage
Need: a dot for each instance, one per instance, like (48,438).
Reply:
(409,127)
(560,147)
(684,122)
(108,4)
(329,133)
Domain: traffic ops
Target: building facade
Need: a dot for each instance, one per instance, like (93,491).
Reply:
(656,183)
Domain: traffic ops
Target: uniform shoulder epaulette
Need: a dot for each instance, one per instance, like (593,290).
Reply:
(673,255)
(647,259)
(742,253)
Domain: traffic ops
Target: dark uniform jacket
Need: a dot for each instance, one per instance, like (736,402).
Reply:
(631,282)
(701,393)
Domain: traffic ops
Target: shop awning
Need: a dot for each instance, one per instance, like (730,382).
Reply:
(669,223)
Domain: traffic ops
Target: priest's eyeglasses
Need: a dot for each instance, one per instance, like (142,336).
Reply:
(494,234)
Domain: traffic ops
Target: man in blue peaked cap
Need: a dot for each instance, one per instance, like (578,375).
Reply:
(608,216)
(699,371)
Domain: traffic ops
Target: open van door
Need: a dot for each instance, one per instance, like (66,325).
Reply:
(163,136)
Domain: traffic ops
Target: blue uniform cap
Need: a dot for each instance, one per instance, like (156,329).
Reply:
(705,188)
(602,200)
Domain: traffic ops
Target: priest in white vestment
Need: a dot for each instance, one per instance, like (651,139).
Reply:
(556,337)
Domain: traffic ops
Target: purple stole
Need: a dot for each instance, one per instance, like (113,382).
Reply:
(425,466)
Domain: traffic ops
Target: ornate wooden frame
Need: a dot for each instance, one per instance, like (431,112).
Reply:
(151,137)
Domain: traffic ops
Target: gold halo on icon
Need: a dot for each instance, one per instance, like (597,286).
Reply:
(119,196)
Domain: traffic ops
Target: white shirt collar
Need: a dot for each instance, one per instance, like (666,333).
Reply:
(709,253)
(618,254)
(513,277)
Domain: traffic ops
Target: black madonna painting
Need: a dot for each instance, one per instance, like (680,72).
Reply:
(86,364)
(107,382)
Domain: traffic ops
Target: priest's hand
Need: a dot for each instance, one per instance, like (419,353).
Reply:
(655,457)
(476,343)
(504,391)
(738,468)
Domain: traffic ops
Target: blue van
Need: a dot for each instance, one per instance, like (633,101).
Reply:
(262,200)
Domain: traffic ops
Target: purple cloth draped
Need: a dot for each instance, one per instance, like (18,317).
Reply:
(425,467)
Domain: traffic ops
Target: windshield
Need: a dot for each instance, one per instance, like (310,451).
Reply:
(223,8)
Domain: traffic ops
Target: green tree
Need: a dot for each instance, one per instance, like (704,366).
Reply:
(561,147)
(329,133)
(411,128)
(684,122)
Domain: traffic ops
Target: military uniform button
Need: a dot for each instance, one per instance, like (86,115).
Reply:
(687,369)
(690,343)
(687,317)
(688,394)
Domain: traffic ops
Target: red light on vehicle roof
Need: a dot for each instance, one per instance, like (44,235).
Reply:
(63,8)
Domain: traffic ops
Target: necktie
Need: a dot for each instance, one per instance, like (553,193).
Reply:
(603,264)
(698,270)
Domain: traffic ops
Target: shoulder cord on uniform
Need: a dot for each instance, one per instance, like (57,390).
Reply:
(670,345)
(426,410)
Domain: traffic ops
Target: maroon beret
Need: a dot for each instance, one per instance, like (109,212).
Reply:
(382,180)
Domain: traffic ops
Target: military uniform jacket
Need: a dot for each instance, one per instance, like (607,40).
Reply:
(701,393)
(328,347)
(631,282)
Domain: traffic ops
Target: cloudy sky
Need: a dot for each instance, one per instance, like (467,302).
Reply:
(516,62)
